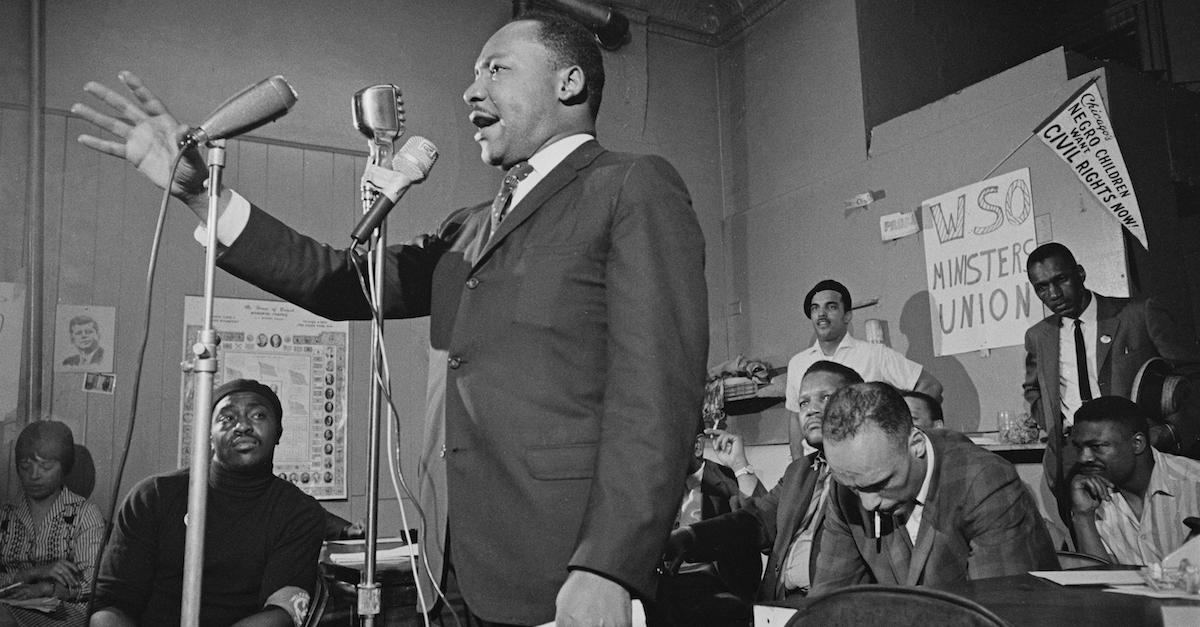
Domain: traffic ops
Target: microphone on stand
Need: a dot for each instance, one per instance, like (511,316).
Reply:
(265,101)
(413,162)
(379,114)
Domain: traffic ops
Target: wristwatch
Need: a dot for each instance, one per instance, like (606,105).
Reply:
(744,470)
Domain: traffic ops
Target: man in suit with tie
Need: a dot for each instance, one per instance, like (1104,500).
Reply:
(915,508)
(787,521)
(568,331)
(1091,346)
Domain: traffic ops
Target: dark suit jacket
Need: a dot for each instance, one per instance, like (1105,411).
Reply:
(765,521)
(1137,331)
(77,359)
(566,371)
(741,569)
(979,521)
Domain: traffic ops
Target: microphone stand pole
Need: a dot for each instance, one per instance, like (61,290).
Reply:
(368,587)
(203,365)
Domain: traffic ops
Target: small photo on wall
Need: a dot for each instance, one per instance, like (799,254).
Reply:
(84,338)
(99,383)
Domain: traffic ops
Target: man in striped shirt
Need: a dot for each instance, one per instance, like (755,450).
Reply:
(1128,500)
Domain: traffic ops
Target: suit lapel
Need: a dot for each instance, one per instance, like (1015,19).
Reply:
(899,553)
(714,486)
(1048,367)
(929,514)
(795,505)
(555,180)
(792,505)
(896,548)
(1107,324)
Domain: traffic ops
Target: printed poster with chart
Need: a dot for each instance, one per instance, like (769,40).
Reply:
(299,355)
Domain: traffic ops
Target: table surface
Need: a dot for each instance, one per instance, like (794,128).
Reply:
(1029,600)
(1025,600)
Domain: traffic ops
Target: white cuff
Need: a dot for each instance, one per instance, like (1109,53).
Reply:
(230,224)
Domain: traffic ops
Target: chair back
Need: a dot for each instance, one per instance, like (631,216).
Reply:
(316,608)
(876,604)
(1071,560)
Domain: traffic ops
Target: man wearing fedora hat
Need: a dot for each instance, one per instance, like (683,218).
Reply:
(1090,346)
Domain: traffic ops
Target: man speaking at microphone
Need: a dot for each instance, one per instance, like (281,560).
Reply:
(568,331)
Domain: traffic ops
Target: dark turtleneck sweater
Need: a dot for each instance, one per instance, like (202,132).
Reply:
(262,534)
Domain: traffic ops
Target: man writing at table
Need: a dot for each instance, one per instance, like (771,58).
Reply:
(915,508)
(568,327)
(1128,500)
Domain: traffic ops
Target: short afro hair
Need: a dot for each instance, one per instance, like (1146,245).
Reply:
(1116,409)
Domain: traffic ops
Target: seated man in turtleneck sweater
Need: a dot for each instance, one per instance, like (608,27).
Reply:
(262,535)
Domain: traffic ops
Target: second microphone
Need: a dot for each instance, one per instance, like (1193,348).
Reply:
(412,164)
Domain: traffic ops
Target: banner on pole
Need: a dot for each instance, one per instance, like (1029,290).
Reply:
(1080,133)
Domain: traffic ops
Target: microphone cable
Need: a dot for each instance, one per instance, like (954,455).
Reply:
(366,282)
(148,294)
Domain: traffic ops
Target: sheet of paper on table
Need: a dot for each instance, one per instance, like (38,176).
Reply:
(1147,591)
(770,616)
(390,556)
(1189,551)
(1091,577)
(639,616)
(1180,615)
(41,604)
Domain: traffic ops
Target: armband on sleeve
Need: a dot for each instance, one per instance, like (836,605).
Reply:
(293,600)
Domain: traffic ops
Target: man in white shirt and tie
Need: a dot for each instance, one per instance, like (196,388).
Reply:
(1090,346)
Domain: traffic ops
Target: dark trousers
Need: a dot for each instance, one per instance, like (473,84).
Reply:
(1061,458)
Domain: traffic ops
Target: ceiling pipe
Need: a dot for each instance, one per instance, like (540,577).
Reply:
(610,27)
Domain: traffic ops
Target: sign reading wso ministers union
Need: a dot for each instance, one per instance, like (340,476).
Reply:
(976,241)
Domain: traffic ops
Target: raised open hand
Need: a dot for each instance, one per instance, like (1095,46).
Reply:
(149,136)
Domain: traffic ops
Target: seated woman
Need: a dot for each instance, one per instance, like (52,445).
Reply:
(50,536)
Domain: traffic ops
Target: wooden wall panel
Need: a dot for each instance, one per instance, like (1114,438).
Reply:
(14,131)
(100,217)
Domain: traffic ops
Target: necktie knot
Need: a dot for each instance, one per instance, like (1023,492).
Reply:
(516,174)
(512,178)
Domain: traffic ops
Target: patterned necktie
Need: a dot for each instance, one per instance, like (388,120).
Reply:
(812,516)
(1085,386)
(515,175)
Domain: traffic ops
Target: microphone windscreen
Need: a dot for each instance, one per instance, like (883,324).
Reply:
(415,158)
(262,102)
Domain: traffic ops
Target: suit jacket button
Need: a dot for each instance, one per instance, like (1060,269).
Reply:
(455,362)
(472,283)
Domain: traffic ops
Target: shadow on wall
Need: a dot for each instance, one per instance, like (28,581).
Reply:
(82,480)
(960,396)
